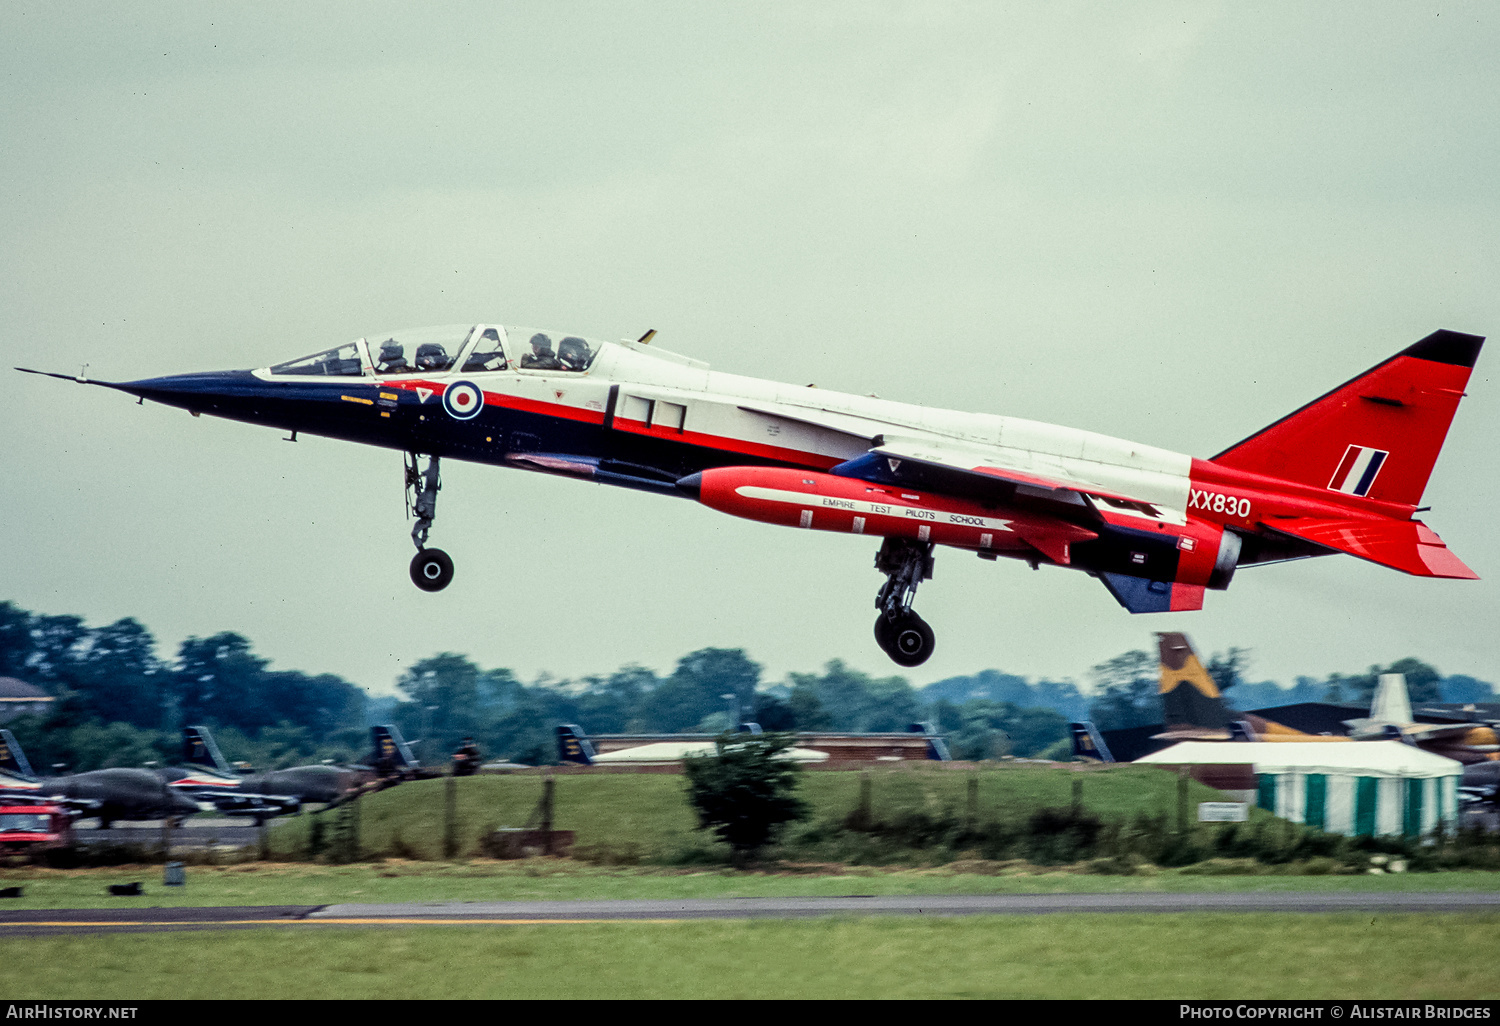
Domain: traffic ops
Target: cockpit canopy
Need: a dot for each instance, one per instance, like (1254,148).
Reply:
(343,361)
(441,350)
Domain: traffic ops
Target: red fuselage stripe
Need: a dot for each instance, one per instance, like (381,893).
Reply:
(718,443)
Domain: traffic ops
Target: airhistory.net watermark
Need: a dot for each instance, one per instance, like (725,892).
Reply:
(43,1010)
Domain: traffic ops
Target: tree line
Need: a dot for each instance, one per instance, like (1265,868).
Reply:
(116,702)
(120,703)
(447,697)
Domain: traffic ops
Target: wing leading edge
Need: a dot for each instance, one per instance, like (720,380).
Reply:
(972,474)
(1043,485)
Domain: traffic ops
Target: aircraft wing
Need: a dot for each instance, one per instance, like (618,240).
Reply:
(1439,731)
(79,806)
(1364,728)
(1019,477)
(1029,480)
(1014,476)
(1407,545)
(233,803)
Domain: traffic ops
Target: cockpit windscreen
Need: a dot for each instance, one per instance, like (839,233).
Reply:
(343,361)
(488,353)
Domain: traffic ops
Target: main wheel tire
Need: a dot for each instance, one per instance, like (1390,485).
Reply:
(883,633)
(431,570)
(911,640)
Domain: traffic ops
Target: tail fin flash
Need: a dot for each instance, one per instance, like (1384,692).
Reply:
(12,759)
(937,746)
(200,749)
(573,745)
(392,754)
(1087,744)
(1189,696)
(1377,435)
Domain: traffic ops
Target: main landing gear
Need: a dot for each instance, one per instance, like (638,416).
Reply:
(903,634)
(431,569)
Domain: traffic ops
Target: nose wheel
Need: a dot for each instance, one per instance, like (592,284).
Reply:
(899,631)
(431,569)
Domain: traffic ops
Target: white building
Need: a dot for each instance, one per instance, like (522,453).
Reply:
(17,698)
(1357,788)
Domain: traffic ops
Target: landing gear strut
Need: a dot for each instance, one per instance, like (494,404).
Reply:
(899,631)
(431,569)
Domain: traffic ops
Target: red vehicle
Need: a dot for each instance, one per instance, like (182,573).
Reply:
(32,831)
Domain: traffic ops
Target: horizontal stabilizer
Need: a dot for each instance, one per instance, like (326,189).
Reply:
(1406,545)
(1139,595)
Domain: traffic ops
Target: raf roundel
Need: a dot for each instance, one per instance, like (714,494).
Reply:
(463,400)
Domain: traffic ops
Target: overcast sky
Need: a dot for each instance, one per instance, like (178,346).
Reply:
(1168,222)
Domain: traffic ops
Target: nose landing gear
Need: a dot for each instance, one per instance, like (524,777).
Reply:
(431,569)
(899,631)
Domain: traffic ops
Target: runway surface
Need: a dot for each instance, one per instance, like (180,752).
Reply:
(40,922)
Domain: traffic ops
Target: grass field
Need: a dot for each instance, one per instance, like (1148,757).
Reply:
(635,839)
(1074,956)
(643,817)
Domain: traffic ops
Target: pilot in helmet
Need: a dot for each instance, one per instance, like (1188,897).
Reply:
(431,356)
(392,357)
(541,356)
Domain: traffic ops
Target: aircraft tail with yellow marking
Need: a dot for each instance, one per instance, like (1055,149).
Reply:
(1189,696)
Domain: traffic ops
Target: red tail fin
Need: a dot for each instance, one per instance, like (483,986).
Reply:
(1377,435)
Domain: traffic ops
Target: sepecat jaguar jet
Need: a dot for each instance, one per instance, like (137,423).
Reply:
(1345,473)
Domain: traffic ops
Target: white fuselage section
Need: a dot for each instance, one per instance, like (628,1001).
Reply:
(840,426)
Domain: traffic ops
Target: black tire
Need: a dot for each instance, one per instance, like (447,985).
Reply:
(911,640)
(883,633)
(431,570)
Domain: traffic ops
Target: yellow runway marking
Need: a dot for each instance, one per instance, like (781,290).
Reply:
(476,921)
(395,920)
